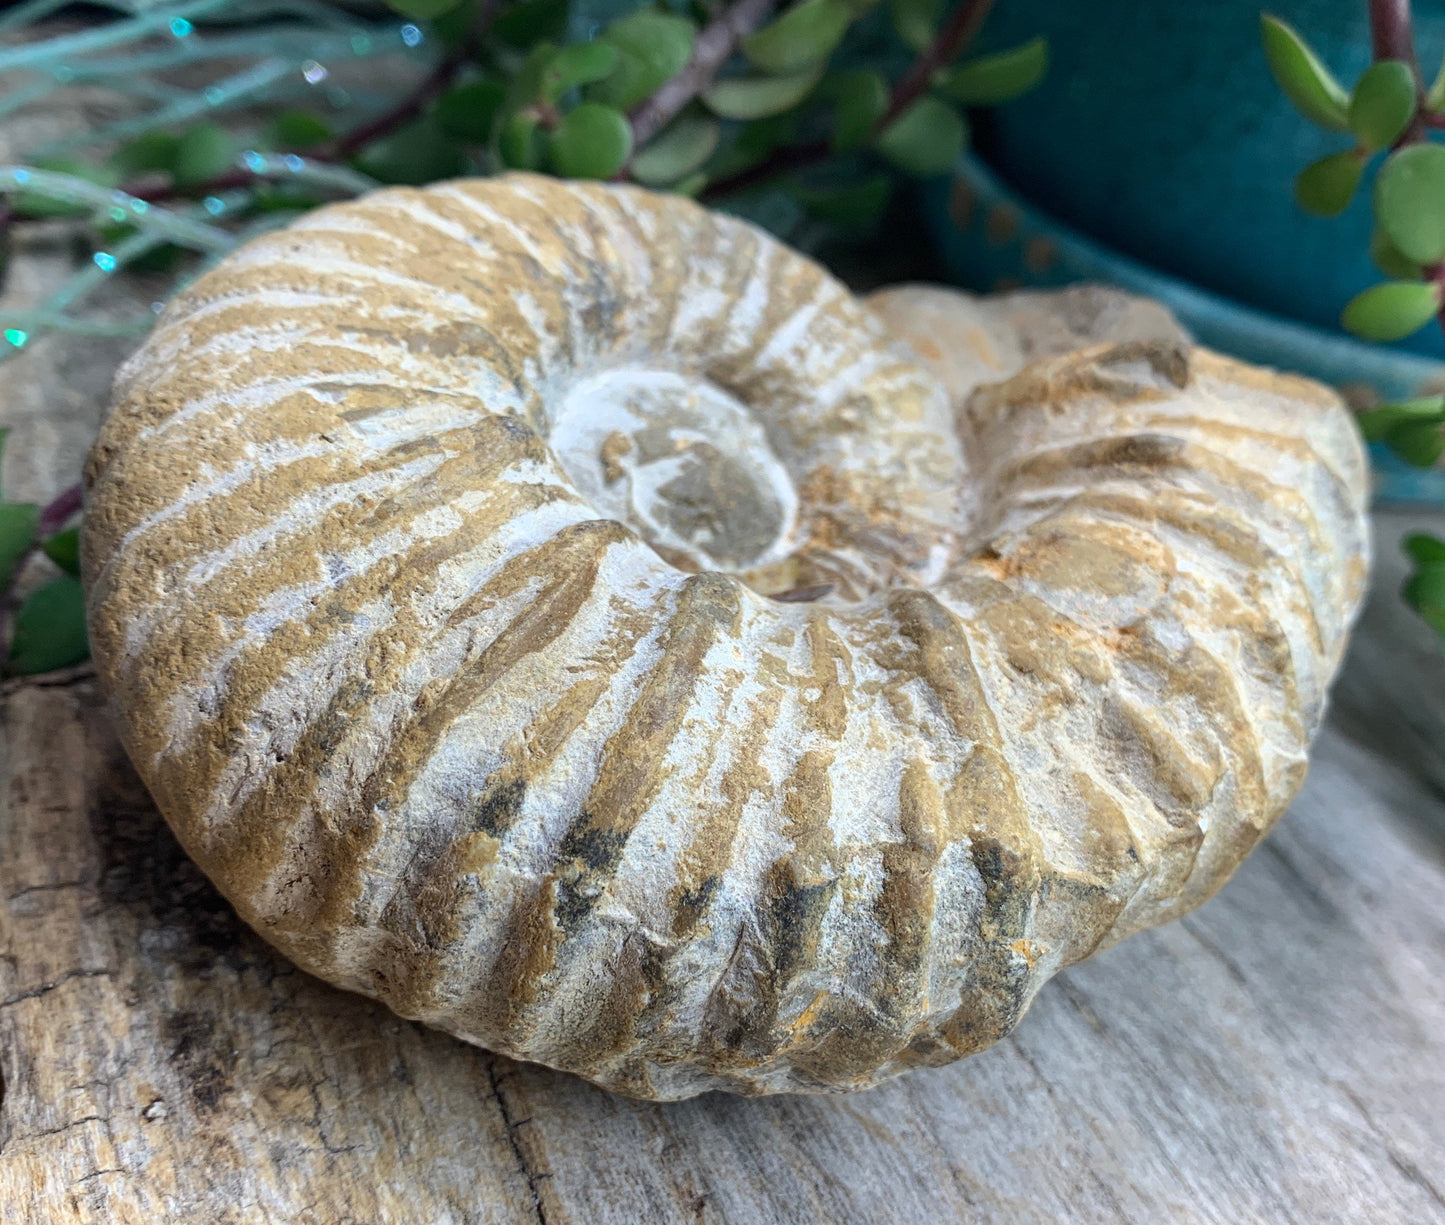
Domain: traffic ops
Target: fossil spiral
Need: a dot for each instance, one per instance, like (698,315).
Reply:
(571,617)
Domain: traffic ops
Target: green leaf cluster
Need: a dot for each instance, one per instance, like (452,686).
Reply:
(189,157)
(1386,112)
(920,136)
(1410,428)
(527,98)
(49,624)
(1424,590)
(541,106)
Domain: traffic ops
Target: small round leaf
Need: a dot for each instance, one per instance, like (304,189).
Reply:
(17,530)
(1425,589)
(806,34)
(298,129)
(153,151)
(520,142)
(690,186)
(1377,424)
(654,48)
(469,111)
(1392,310)
(926,139)
(64,549)
(1305,81)
(1421,445)
(1423,548)
(50,628)
(862,99)
(416,154)
(579,64)
(202,153)
(1435,98)
(992,79)
(1326,187)
(759,97)
(1410,202)
(681,148)
(592,142)
(525,87)
(1383,104)
(1390,260)
(915,21)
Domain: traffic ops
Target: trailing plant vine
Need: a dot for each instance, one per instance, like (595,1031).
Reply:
(1389,115)
(710,99)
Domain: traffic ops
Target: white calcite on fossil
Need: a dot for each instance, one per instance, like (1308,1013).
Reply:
(573,618)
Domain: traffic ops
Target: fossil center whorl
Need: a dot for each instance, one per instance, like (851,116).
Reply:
(682,462)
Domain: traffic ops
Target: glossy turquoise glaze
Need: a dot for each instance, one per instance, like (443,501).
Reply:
(1160,132)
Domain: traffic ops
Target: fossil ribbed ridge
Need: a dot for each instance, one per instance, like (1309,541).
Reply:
(430,551)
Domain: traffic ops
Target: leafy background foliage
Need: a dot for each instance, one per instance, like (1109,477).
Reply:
(804,117)
(1387,120)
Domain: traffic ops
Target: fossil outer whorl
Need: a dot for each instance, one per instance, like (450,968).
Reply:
(429,549)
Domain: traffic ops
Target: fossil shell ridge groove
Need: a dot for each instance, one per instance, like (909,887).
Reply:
(429,547)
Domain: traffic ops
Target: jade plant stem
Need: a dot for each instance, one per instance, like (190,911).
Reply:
(710,52)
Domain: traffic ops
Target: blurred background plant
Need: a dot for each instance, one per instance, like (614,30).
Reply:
(240,115)
(1387,118)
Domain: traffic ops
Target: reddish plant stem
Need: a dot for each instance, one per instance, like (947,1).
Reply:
(1392,31)
(718,40)
(961,29)
(54,513)
(952,39)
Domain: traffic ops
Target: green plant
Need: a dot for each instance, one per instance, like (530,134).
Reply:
(723,101)
(1388,116)
(46,629)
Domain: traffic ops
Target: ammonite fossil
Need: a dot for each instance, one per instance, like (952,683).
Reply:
(571,617)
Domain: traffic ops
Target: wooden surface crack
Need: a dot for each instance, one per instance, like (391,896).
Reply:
(533,1176)
(45,988)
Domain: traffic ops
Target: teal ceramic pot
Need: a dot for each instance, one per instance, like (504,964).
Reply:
(1160,132)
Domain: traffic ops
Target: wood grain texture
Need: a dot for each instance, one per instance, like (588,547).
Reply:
(1277,1056)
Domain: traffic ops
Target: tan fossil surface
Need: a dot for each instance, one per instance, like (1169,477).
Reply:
(430,547)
